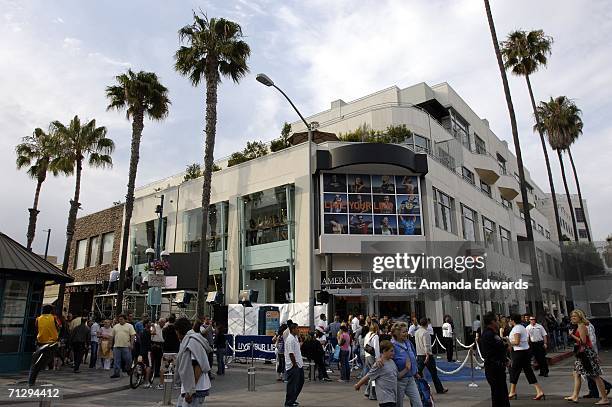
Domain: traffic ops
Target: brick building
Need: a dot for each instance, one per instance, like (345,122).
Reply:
(94,253)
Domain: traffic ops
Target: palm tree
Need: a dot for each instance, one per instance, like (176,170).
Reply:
(139,94)
(79,143)
(36,152)
(558,119)
(214,49)
(524,53)
(519,162)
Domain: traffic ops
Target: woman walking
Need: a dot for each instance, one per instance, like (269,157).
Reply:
(106,344)
(372,353)
(587,362)
(344,341)
(521,358)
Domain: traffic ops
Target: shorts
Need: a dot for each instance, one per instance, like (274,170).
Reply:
(168,358)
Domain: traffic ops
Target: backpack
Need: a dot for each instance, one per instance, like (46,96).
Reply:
(425,392)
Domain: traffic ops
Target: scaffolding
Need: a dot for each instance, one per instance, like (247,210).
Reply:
(178,302)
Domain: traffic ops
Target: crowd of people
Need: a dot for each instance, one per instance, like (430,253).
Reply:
(174,343)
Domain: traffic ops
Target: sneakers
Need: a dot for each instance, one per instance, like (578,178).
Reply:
(160,387)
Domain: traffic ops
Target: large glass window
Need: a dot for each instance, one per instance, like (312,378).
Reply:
(444,205)
(504,238)
(81,251)
(265,215)
(489,233)
(94,251)
(192,228)
(108,241)
(363,204)
(468,220)
(579,215)
(144,235)
(12,314)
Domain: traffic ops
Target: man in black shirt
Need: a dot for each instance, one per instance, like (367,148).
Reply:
(170,347)
(79,337)
(494,354)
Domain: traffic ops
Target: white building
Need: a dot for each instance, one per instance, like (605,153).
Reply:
(581,215)
(463,188)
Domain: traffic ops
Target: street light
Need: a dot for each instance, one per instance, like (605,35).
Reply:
(264,79)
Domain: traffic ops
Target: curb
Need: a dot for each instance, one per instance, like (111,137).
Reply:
(72,395)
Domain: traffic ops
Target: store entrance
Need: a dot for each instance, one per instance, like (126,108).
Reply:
(401,309)
(345,305)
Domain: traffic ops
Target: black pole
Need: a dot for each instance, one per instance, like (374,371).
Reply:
(159,228)
(47,245)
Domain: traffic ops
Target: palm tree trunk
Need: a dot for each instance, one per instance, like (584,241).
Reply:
(72,215)
(567,194)
(519,161)
(209,147)
(586,223)
(34,210)
(137,127)
(546,160)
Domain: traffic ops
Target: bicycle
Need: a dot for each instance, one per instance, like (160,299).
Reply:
(40,359)
(138,373)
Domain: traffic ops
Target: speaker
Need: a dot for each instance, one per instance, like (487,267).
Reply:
(323,297)
(214,297)
(247,297)
(182,299)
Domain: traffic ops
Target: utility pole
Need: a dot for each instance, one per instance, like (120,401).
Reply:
(47,245)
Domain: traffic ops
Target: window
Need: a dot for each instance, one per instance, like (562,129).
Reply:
(443,205)
(94,251)
(579,215)
(540,260)
(468,175)
(547,233)
(501,162)
(192,228)
(143,236)
(108,240)
(486,188)
(468,222)
(506,203)
(479,143)
(13,307)
(540,229)
(488,231)
(582,233)
(421,143)
(81,251)
(504,238)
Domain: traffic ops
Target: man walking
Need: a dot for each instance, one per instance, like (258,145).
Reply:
(47,333)
(123,342)
(539,343)
(78,339)
(424,356)
(333,330)
(447,337)
(93,342)
(494,353)
(192,366)
(294,366)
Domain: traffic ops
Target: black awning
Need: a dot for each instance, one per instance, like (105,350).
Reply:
(16,259)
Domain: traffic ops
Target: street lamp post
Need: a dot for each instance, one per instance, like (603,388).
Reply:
(264,79)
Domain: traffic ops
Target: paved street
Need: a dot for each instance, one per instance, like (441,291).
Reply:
(231,390)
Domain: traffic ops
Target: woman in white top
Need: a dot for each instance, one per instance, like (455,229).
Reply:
(521,358)
(372,340)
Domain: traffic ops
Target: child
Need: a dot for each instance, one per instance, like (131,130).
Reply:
(385,376)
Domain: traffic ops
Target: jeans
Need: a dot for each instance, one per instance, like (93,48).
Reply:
(345,368)
(406,386)
(370,391)
(93,354)
(196,401)
(120,355)
(295,382)
(220,361)
(431,366)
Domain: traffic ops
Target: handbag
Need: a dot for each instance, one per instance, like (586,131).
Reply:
(337,352)
(369,349)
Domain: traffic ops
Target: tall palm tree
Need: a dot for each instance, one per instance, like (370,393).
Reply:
(139,94)
(524,53)
(36,152)
(575,129)
(214,49)
(539,305)
(79,144)
(558,120)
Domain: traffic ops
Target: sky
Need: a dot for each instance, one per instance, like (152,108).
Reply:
(56,58)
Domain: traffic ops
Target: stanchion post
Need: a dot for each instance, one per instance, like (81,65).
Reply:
(251,371)
(471,356)
(168,383)
(456,347)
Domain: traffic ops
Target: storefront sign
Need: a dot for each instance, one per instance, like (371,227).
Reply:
(263,347)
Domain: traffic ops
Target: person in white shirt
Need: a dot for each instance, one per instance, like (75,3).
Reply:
(476,325)
(447,337)
(521,358)
(355,323)
(323,322)
(538,339)
(94,329)
(425,358)
(294,365)
(113,278)
(371,343)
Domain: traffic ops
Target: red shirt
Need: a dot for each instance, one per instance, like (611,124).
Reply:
(347,341)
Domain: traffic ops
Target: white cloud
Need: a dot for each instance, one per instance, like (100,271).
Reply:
(59,20)
(72,44)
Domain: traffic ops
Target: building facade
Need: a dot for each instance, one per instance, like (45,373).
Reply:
(452,181)
(581,215)
(94,254)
